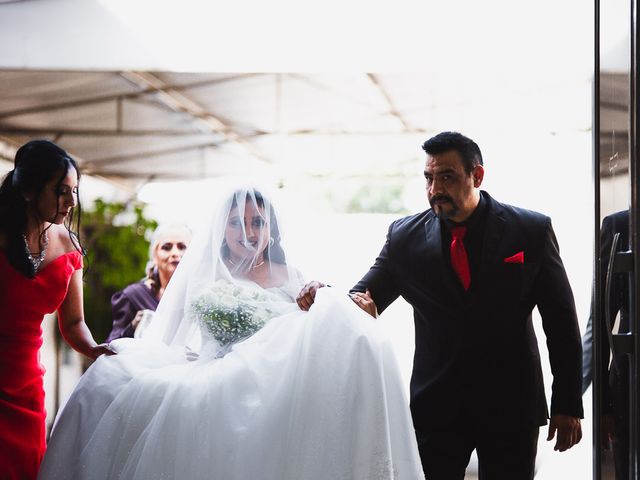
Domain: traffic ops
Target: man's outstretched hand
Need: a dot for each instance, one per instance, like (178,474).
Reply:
(365,302)
(307,295)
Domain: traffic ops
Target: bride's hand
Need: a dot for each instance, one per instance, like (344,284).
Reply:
(191,355)
(365,302)
(307,295)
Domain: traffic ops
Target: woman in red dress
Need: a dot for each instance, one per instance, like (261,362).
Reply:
(40,272)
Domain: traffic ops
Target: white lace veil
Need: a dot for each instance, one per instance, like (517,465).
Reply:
(241,245)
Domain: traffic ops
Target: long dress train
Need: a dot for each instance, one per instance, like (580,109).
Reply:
(313,395)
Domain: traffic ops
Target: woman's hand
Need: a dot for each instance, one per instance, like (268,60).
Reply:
(141,321)
(191,355)
(72,324)
(102,349)
(365,302)
(307,295)
(137,318)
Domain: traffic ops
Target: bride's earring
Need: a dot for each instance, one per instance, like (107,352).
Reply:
(271,241)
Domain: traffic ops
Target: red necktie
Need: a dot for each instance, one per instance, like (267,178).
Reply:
(459,260)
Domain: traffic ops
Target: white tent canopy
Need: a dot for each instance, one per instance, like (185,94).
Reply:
(161,125)
(127,87)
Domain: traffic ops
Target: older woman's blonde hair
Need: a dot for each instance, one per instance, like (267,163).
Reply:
(156,236)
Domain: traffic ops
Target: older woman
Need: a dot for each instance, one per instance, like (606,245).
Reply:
(134,303)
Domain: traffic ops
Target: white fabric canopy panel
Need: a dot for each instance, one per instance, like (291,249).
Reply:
(168,125)
(159,125)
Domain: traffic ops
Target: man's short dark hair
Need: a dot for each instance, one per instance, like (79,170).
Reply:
(447,141)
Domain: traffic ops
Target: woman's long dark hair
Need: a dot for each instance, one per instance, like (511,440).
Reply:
(37,163)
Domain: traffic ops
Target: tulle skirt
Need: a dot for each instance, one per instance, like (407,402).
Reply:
(312,396)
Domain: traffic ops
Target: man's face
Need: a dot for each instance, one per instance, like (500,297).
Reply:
(451,191)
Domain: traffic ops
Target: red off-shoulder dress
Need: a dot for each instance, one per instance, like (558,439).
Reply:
(23,303)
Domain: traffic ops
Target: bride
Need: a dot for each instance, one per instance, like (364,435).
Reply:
(233,381)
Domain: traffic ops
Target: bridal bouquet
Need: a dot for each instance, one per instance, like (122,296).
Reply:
(231,312)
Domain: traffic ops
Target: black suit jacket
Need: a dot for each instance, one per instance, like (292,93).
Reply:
(476,352)
(615,391)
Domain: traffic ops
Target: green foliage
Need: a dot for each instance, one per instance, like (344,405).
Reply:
(117,252)
(382,198)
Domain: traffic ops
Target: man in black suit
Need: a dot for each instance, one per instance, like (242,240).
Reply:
(614,370)
(473,269)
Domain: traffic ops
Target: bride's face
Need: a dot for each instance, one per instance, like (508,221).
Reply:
(248,235)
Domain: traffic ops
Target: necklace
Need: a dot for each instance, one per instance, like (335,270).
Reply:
(252,267)
(36,259)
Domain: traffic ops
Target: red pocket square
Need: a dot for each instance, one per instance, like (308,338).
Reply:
(517,258)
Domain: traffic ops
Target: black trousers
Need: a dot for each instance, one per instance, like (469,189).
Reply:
(619,385)
(505,455)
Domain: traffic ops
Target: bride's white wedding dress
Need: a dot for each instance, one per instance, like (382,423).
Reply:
(311,396)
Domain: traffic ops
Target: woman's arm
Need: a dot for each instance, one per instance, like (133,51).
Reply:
(123,313)
(72,324)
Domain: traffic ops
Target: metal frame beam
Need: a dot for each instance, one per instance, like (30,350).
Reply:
(148,154)
(149,90)
(97,132)
(393,111)
(179,102)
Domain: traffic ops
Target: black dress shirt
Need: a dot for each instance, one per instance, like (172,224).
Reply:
(472,241)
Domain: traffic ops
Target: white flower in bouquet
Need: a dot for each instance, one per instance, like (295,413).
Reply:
(231,312)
